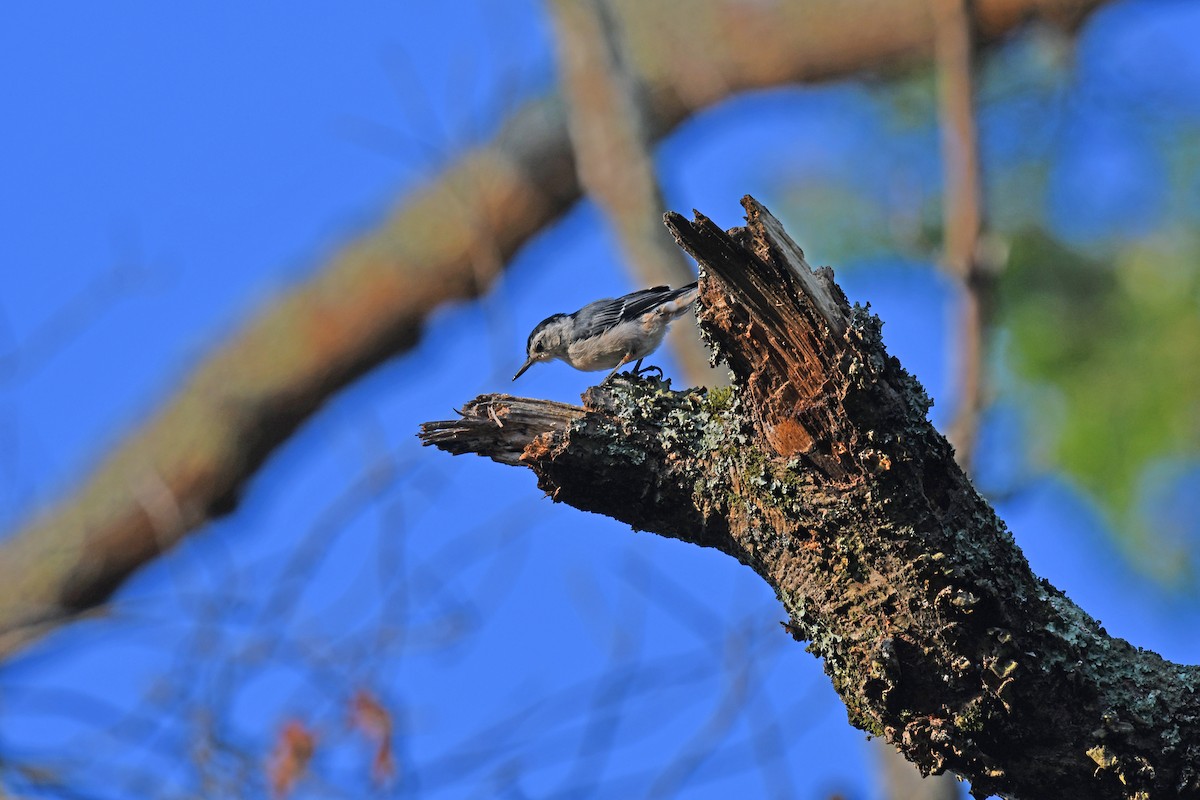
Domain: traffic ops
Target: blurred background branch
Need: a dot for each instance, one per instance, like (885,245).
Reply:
(962,212)
(612,151)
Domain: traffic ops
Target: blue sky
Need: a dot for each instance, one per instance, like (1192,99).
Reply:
(166,171)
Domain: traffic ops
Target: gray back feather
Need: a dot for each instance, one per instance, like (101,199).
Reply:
(598,317)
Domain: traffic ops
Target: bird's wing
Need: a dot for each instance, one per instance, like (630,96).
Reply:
(596,318)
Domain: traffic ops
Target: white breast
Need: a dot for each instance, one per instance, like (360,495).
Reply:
(636,339)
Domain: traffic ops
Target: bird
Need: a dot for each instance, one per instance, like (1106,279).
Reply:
(610,333)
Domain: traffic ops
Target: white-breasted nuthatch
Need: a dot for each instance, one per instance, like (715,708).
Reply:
(609,333)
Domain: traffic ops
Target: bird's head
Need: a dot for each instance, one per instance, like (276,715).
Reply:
(547,340)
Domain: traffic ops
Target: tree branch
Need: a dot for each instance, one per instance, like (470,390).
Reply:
(821,471)
(449,241)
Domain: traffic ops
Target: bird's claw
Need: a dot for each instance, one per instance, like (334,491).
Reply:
(640,371)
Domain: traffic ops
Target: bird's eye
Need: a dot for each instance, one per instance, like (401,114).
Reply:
(537,348)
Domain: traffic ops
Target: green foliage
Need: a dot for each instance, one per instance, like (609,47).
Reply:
(1113,353)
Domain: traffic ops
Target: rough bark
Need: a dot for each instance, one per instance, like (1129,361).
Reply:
(449,241)
(821,471)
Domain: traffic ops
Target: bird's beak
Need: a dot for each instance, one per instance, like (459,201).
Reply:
(524,367)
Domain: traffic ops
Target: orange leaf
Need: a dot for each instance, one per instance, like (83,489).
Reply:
(293,751)
(369,715)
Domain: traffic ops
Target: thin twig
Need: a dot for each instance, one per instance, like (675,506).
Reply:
(962,212)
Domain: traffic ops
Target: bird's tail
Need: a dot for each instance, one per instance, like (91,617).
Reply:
(680,300)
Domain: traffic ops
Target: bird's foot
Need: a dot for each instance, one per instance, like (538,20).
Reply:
(639,371)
